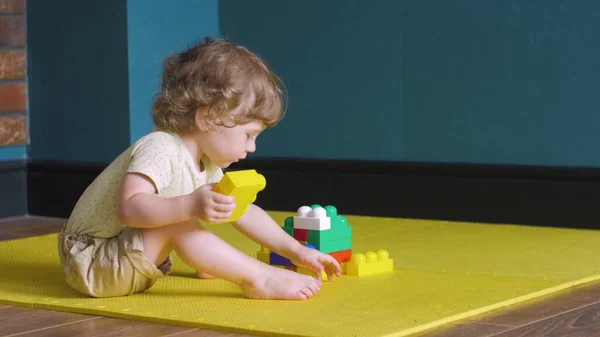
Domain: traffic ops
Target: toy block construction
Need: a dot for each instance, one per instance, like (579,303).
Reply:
(322,228)
(244,185)
(318,228)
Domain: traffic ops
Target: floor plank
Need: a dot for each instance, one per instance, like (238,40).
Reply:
(472,329)
(207,333)
(16,320)
(585,293)
(106,327)
(582,322)
(532,311)
(537,309)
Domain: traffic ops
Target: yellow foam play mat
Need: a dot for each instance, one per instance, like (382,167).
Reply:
(443,272)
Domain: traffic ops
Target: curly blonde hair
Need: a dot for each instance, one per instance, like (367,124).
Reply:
(217,75)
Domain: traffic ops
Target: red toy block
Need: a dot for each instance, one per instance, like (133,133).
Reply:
(301,234)
(342,256)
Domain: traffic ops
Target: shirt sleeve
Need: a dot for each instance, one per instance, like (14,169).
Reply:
(155,156)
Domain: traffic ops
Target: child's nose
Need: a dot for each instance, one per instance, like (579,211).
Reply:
(251,147)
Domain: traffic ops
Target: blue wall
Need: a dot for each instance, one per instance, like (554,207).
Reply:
(443,81)
(13,153)
(462,81)
(94,66)
(502,81)
(157,28)
(77,78)
(341,63)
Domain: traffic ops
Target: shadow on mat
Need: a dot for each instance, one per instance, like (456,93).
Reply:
(197,293)
(184,274)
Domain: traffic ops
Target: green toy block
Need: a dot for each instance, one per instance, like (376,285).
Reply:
(336,219)
(289,230)
(339,229)
(335,245)
(288,226)
(335,233)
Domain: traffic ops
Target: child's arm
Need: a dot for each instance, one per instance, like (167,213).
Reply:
(138,205)
(260,227)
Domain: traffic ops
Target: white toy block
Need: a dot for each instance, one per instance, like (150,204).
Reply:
(313,219)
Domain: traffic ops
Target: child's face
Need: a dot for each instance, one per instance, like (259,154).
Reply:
(227,145)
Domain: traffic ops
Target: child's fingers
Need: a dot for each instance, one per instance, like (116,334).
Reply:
(317,266)
(331,271)
(330,261)
(332,266)
(328,273)
(319,277)
(338,268)
(223,199)
(224,208)
(218,216)
(217,219)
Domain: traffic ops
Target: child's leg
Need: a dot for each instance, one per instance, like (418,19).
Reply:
(202,250)
(204,275)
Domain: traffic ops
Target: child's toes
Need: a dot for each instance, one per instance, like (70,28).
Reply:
(308,292)
(302,295)
(314,287)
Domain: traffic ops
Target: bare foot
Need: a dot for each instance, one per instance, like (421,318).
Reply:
(276,283)
(204,275)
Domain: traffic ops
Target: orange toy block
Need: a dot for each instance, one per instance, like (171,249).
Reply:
(342,256)
(370,263)
(244,186)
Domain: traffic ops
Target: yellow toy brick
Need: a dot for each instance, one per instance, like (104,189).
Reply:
(264,255)
(244,186)
(308,272)
(370,263)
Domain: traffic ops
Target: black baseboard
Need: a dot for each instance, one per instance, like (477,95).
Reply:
(54,187)
(13,188)
(541,196)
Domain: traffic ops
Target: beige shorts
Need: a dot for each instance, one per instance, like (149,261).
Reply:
(116,266)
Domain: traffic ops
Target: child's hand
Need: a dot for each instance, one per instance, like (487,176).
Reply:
(317,261)
(211,206)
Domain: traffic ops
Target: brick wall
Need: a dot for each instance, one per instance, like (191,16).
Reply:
(13,86)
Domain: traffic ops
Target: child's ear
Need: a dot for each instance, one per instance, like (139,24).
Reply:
(202,118)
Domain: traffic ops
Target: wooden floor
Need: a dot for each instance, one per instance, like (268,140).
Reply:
(573,313)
